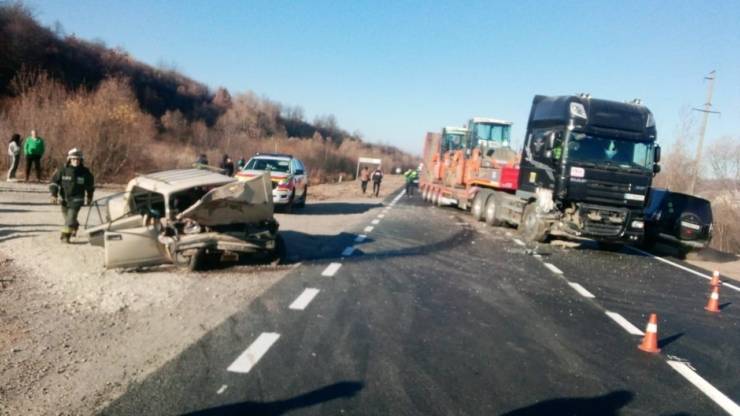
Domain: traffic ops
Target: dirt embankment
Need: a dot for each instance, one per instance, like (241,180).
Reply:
(74,335)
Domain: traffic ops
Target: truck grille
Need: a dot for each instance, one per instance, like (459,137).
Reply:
(606,192)
(599,221)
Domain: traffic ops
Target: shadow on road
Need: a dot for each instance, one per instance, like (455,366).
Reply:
(336,208)
(669,340)
(279,407)
(605,405)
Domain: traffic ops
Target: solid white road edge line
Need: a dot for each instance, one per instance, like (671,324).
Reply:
(627,325)
(681,267)
(251,356)
(717,396)
(304,299)
(375,222)
(368,229)
(519,242)
(581,290)
(348,251)
(553,268)
(331,269)
(222,389)
(360,238)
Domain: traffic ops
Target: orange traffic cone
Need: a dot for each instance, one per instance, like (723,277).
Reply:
(650,341)
(713,304)
(715,279)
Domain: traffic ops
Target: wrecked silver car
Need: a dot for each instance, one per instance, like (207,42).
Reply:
(187,217)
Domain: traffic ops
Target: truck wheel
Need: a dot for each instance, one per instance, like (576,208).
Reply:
(491,213)
(479,205)
(198,260)
(532,228)
(435,196)
(425,194)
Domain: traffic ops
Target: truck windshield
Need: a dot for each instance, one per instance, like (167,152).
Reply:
(492,133)
(452,141)
(625,154)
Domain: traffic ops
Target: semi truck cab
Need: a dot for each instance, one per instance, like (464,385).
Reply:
(586,168)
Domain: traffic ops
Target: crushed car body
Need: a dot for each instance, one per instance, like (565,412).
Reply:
(680,220)
(186,217)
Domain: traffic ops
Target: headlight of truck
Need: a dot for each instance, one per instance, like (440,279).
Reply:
(638,224)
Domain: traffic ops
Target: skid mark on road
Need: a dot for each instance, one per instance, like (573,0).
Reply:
(251,356)
(709,390)
(684,268)
(304,299)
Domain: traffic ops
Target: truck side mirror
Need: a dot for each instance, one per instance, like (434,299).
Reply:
(656,168)
(656,155)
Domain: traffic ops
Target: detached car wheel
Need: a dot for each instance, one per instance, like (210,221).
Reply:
(279,253)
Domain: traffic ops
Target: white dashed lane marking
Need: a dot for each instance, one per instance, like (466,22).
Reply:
(717,396)
(381,216)
(348,251)
(251,356)
(581,290)
(684,268)
(625,324)
(375,222)
(360,238)
(553,268)
(304,299)
(519,242)
(368,229)
(222,389)
(331,269)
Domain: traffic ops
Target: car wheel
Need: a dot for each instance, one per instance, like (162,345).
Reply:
(279,253)
(291,202)
(302,204)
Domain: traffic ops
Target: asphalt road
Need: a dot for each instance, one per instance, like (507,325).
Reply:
(432,314)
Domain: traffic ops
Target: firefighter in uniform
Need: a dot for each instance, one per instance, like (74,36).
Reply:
(72,186)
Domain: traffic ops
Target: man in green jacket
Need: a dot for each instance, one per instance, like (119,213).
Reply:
(33,148)
(72,186)
(411,176)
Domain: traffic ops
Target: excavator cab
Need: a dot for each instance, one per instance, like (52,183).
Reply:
(487,135)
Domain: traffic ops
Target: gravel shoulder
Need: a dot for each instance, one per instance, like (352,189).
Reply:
(74,335)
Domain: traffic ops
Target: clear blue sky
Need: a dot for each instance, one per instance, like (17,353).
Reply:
(394,70)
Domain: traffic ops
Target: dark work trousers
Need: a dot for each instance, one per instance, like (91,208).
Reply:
(14,161)
(409,188)
(33,160)
(363,184)
(70,212)
(376,188)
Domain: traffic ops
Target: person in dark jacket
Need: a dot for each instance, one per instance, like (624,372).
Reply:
(201,160)
(227,165)
(377,177)
(72,186)
(241,163)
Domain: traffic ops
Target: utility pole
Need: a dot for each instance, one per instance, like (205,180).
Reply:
(707,109)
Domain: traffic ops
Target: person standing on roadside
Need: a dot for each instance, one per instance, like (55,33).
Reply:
(72,186)
(227,165)
(364,179)
(377,178)
(33,148)
(241,163)
(14,155)
(411,176)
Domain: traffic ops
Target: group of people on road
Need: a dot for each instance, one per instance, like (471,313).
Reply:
(411,176)
(33,149)
(376,176)
(72,185)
